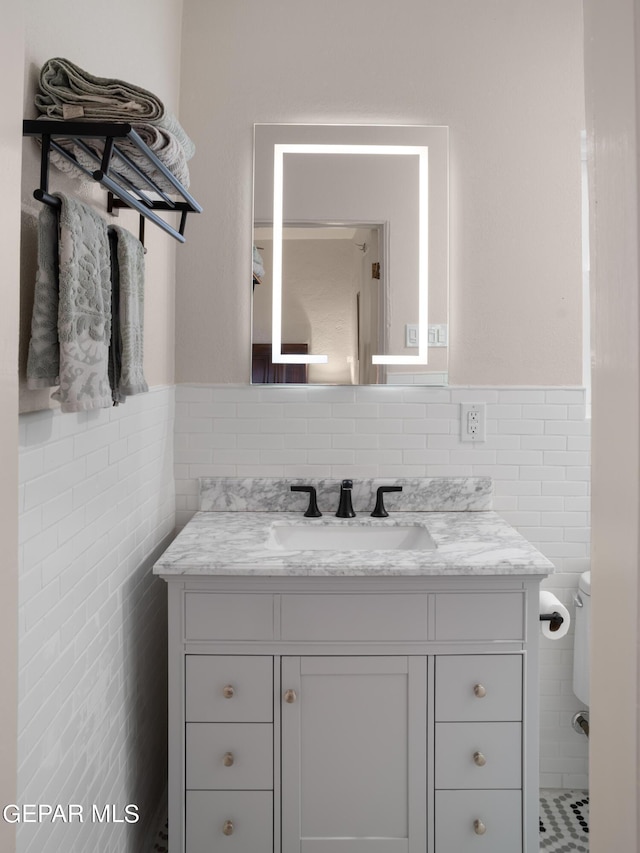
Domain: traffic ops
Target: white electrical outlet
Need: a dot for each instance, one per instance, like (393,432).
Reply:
(473,417)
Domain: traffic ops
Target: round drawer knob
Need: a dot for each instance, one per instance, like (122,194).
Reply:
(228,692)
(227,829)
(479,828)
(479,759)
(290,696)
(228,759)
(480,691)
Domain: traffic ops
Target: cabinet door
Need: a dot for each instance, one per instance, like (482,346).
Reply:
(354,754)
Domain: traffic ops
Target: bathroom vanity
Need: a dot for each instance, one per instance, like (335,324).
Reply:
(354,701)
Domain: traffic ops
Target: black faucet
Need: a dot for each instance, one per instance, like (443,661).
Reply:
(380,511)
(345,509)
(312,509)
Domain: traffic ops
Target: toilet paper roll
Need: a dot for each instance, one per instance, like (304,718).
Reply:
(550,604)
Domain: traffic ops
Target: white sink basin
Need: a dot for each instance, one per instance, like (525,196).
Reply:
(349,537)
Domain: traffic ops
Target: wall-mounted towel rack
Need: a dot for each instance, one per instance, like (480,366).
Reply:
(123,191)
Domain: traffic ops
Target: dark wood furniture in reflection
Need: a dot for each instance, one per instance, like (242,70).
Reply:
(264,371)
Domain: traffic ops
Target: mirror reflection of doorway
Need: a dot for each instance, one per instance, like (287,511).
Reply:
(332,302)
(370,310)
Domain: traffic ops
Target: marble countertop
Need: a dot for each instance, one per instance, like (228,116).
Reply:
(236,543)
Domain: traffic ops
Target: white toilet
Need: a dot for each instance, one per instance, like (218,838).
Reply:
(582,601)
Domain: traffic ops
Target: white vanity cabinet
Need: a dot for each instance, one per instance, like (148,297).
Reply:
(353,714)
(354,765)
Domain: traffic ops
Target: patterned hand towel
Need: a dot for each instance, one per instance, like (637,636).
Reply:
(43,360)
(84,308)
(127,345)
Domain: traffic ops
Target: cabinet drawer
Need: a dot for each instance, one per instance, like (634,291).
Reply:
(354,617)
(478,687)
(229,689)
(478,755)
(226,756)
(499,812)
(228,616)
(248,816)
(480,616)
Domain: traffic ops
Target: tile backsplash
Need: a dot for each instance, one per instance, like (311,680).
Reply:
(537,453)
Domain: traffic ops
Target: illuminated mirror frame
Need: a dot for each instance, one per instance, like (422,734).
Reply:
(422,152)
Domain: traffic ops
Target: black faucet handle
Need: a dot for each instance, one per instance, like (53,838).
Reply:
(312,509)
(380,511)
(345,507)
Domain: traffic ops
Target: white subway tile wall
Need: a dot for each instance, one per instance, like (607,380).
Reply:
(537,452)
(97,506)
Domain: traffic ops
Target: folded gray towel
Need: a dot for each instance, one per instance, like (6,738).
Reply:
(43,360)
(84,308)
(161,142)
(67,92)
(127,345)
(70,92)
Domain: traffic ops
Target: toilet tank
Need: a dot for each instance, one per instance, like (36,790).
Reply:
(581,641)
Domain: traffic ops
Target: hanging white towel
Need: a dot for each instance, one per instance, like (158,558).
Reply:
(84,308)
(43,360)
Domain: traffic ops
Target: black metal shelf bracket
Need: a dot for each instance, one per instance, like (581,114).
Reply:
(122,191)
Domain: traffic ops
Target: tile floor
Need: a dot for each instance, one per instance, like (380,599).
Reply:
(161,844)
(564,822)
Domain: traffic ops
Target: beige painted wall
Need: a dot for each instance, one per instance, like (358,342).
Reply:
(11,57)
(504,75)
(613,107)
(109,44)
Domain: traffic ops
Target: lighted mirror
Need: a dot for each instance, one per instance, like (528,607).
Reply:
(350,254)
